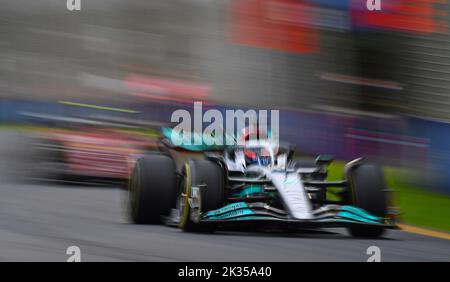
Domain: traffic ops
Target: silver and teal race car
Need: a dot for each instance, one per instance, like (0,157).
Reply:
(257,185)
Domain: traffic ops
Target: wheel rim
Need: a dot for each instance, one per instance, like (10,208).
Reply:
(133,190)
(185,199)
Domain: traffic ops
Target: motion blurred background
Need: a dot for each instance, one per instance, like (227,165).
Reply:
(93,85)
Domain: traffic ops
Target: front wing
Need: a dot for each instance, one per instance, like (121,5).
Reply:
(326,216)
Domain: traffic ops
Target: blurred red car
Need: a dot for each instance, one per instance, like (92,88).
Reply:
(89,153)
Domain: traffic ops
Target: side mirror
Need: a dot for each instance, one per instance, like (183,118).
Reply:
(324,160)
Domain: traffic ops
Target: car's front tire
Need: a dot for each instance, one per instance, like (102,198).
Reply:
(210,176)
(152,189)
(367,187)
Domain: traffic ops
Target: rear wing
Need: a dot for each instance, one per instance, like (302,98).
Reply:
(177,140)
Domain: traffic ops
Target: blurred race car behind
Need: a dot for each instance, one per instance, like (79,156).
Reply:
(87,149)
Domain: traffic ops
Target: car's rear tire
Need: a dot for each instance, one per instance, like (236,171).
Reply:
(211,175)
(152,189)
(367,187)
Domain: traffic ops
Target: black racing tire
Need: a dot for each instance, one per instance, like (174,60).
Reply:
(152,189)
(210,174)
(367,191)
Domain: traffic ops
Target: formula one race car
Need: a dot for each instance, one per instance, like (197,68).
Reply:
(87,149)
(259,184)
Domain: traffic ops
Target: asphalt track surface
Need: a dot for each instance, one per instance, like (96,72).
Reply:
(39,221)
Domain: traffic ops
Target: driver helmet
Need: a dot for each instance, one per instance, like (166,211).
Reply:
(257,156)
